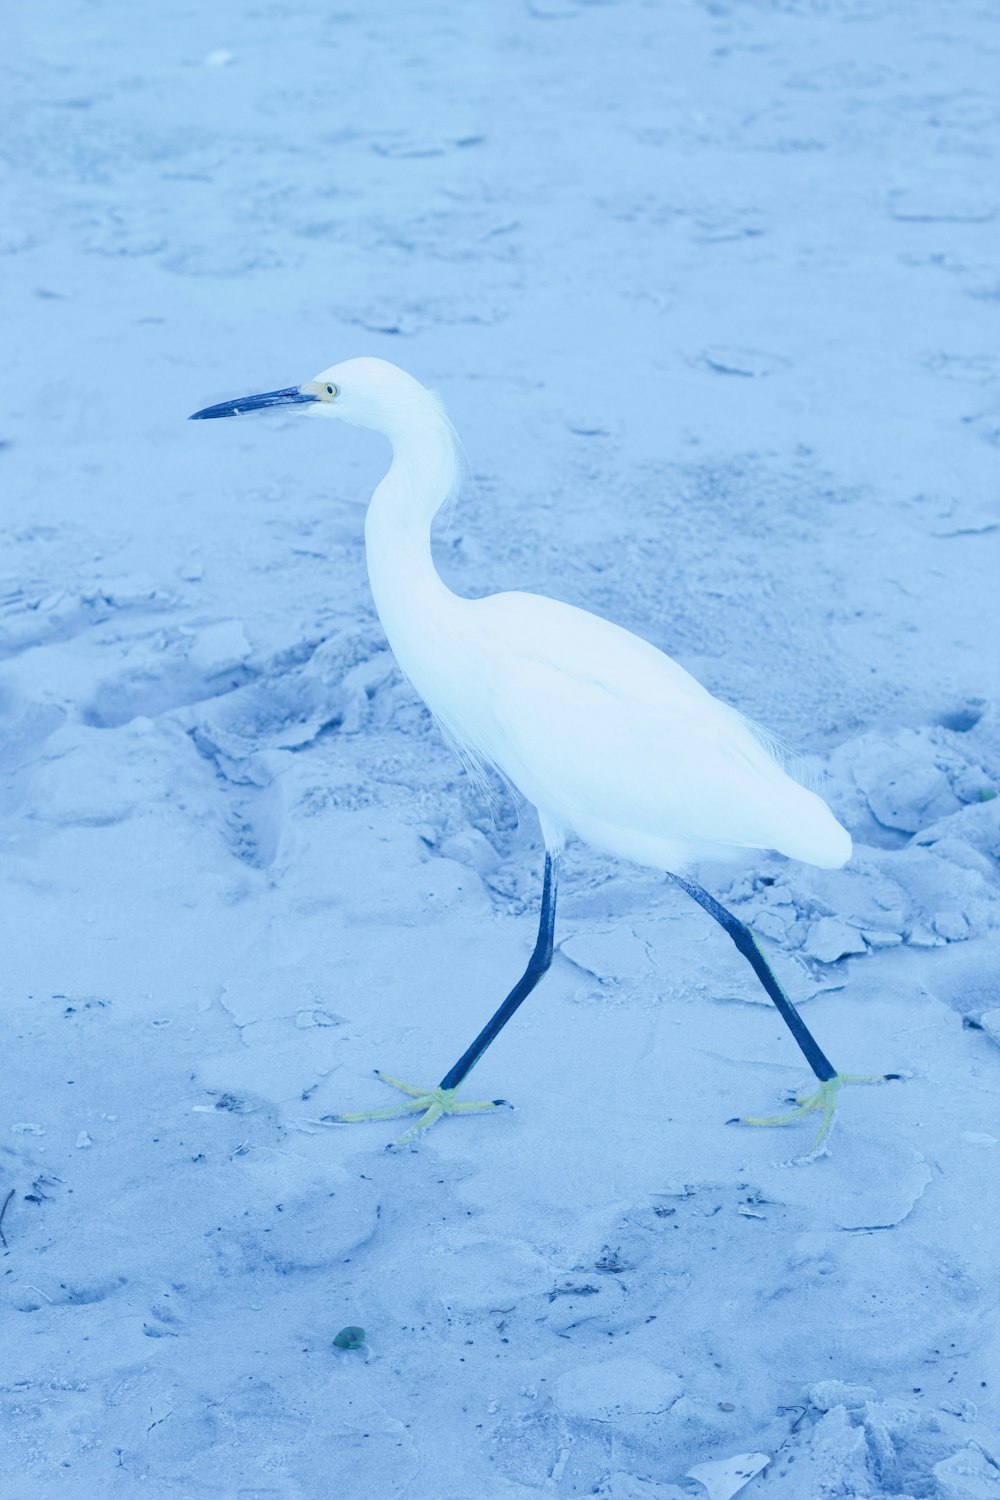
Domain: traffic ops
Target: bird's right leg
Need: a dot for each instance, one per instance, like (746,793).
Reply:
(431,1104)
(824,1100)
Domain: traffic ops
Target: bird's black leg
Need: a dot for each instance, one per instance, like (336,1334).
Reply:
(431,1104)
(747,945)
(538,964)
(824,1100)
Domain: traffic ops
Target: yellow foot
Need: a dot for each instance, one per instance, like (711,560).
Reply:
(430,1104)
(824,1099)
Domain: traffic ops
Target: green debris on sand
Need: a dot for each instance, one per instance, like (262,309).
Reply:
(350,1338)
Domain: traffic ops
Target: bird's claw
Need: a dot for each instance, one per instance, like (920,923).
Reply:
(824,1099)
(429,1104)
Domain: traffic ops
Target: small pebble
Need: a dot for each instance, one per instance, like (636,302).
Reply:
(827,1394)
(830,939)
(951,925)
(770,925)
(881,939)
(922,937)
(990,1022)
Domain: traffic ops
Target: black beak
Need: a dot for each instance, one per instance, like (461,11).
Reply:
(290,397)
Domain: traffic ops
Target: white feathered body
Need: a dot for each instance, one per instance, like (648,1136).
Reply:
(610,738)
(617,743)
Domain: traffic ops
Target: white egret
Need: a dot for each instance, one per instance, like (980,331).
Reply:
(608,737)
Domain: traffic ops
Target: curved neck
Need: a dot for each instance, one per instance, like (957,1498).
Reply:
(409,595)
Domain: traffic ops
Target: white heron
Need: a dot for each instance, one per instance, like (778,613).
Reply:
(609,738)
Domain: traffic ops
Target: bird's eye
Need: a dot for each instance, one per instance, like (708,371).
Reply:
(331,390)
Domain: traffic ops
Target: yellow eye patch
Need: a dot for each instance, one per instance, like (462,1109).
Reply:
(322,390)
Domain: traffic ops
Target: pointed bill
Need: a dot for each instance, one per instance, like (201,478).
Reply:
(293,395)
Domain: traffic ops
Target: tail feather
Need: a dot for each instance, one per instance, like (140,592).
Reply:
(816,837)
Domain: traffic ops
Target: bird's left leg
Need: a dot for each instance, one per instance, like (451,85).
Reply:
(824,1100)
(431,1104)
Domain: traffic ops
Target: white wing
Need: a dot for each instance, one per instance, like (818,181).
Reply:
(594,724)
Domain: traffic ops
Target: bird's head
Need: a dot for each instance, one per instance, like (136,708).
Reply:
(365,392)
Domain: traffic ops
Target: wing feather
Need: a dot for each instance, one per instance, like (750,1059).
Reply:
(589,720)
